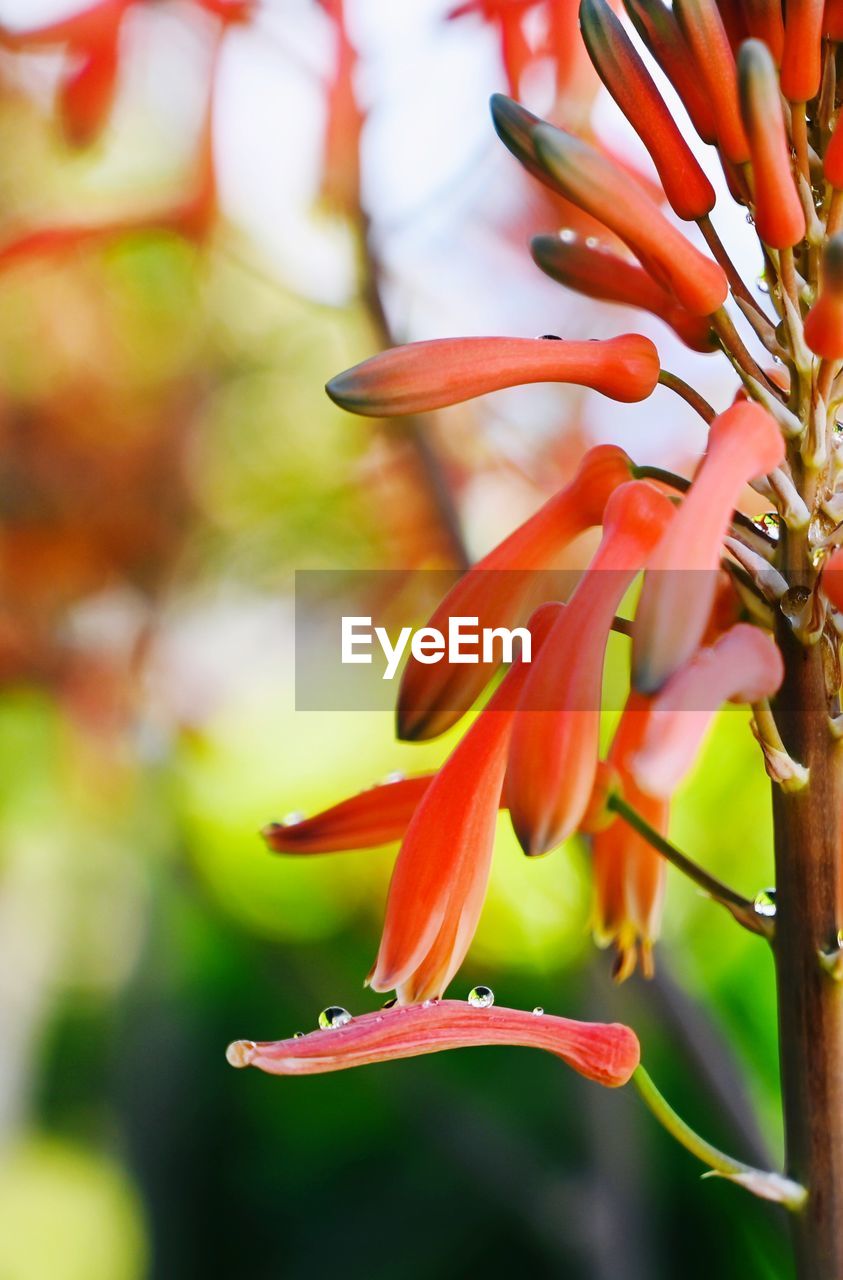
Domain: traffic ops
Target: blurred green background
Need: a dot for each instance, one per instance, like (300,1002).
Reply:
(173,294)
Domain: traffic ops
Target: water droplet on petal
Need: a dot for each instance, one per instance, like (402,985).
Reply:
(770,522)
(334,1016)
(549,337)
(538,1011)
(292,819)
(395,776)
(761,285)
(765,903)
(239,1053)
(481,997)
(750,219)
(390,1003)
(592,242)
(567,235)
(298,1035)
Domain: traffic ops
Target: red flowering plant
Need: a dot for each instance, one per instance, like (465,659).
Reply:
(730,609)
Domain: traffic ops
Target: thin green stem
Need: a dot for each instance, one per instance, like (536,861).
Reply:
(739,907)
(693,398)
(770,1186)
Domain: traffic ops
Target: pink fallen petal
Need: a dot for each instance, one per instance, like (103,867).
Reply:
(605,1053)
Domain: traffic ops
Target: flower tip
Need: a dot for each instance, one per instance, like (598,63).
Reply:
(240,1053)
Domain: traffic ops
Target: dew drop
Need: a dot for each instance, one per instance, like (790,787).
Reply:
(549,337)
(750,219)
(298,1035)
(765,903)
(567,235)
(592,242)
(292,819)
(334,1016)
(239,1053)
(538,1011)
(395,776)
(761,285)
(390,1003)
(481,997)
(770,522)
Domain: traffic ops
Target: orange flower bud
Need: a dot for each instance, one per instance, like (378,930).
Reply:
(657,26)
(703,29)
(631,85)
(833,20)
(601,189)
(376,816)
(779,217)
(833,161)
(802,56)
(430,375)
(598,271)
(764,21)
(824,322)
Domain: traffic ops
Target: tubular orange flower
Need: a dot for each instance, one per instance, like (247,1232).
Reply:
(764,21)
(833,160)
(605,1053)
(744,665)
(86,95)
(802,55)
(657,26)
(598,187)
(496,589)
(779,216)
(824,322)
(832,579)
(631,85)
(833,20)
(597,271)
(681,579)
(553,757)
(376,816)
(629,876)
(705,33)
(442,870)
(431,375)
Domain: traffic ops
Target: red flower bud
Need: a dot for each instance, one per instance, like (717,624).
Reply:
(631,85)
(373,817)
(703,28)
(779,217)
(802,56)
(764,21)
(824,322)
(598,271)
(657,26)
(601,189)
(430,375)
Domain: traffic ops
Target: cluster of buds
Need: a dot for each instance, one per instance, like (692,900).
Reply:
(723,594)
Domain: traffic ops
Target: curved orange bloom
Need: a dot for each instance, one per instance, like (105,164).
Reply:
(553,756)
(606,1053)
(598,187)
(376,816)
(631,85)
(832,579)
(779,217)
(497,589)
(824,322)
(598,271)
(765,21)
(656,24)
(439,881)
(703,28)
(743,665)
(802,56)
(681,579)
(629,876)
(430,375)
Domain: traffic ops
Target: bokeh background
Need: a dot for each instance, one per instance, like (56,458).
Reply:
(208,207)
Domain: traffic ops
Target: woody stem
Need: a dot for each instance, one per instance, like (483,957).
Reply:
(693,398)
(739,907)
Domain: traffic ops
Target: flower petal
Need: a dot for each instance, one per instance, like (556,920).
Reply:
(445,371)
(496,591)
(832,579)
(824,322)
(605,1053)
(702,26)
(631,85)
(656,24)
(681,580)
(744,665)
(779,217)
(374,817)
(802,55)
(597,271)
(553,757)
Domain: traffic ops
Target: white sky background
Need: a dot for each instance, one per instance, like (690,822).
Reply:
(441,187)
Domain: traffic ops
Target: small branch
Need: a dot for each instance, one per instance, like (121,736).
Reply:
(769,1186)
(739,907)
(682,485)
(739,289)
(799,133)
(733,346)
(693,398)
